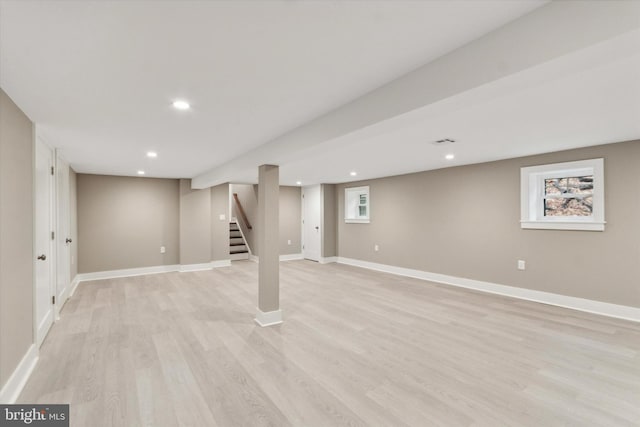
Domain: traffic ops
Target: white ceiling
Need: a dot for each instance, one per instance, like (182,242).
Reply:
(98,78)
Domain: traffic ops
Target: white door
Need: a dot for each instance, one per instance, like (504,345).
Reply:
(43,241)
(63,234)
(311,237)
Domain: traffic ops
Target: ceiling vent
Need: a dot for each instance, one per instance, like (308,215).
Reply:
(444,141)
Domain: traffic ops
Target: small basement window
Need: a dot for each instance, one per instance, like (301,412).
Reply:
(563,196)
(356,203)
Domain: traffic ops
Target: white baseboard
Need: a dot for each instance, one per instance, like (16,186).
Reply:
(269,318)
(575,303)
(287,257)
(195,267)
(221,263)
(74,286)
(16,382)
(129,272)
(240,256)
(328,260)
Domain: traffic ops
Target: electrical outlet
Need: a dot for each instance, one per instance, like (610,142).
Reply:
(521,265)
(376,248)
(163,249)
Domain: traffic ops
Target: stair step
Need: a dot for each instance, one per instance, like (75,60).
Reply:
(235,234)
(235,257)
(243,251)
(233,240)
(237,244)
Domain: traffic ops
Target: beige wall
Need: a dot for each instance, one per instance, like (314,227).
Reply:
(73,213)
(16,236)
(219,228)
(290,216)
(464,222)
(195,224)
(328,220)
(123,221)
(290,220)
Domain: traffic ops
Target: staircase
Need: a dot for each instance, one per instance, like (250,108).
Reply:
(237,246)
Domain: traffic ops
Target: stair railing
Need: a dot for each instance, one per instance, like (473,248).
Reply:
(241,211)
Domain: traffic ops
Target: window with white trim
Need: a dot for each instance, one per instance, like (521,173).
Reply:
(356,204)
(563,196)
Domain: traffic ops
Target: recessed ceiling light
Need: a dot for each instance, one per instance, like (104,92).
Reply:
(140,172)
(298,182)
(353,173)
(181,105)
(152,154)
(449,157)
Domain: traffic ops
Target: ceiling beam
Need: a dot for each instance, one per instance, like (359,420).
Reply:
(550,32)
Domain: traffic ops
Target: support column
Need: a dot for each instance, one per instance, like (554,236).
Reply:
(269,312)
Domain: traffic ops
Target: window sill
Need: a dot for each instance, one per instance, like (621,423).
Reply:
(356,221)
(563,225)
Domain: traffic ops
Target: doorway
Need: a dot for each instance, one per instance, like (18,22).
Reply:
(311,232)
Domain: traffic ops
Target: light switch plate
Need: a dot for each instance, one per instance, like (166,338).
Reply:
(222,217)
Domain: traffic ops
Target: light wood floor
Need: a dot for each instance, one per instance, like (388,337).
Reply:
(357,348)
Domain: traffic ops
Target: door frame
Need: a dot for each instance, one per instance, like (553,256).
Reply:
(60,238)
(39,336)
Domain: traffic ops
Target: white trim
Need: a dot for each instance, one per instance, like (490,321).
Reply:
(16,382)
(563,225)
(532,195)
(195,267)
(286,257)
(328,260)
(239,256)
(221,263)
(581,304)
(74,285)
(269,318)
(129,272)
(45,326)
(354,217)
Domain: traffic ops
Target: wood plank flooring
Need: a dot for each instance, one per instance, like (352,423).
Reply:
(357,348)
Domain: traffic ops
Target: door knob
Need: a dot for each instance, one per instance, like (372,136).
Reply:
(42,257)
(68,240)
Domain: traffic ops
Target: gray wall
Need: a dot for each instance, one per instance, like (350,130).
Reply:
(219,229)
(16,236)
(123,221)
(195,224)
(290,216)
(328,220)
(464,222)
